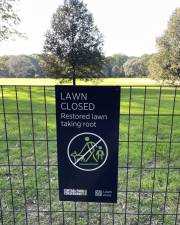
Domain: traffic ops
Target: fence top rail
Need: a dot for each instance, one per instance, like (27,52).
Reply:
(123,86)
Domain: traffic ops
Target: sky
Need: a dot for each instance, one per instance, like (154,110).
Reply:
(129,26)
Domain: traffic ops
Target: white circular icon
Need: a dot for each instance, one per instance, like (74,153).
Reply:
(87,151)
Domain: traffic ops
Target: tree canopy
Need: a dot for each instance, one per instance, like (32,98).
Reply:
(114,65)
(52,66)
(75,40)
(20,66)
(137,66)
(167,60)
(8,19)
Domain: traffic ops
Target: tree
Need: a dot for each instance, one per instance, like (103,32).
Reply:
(75,40)
(8,19)
(116,71)
(136,67)
(52,66)
(4,70)
(168,57)
(118,59)
(155,71)
(114,65)
(23,66)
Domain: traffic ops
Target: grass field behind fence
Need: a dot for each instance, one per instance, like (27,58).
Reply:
(149,160)
(99,81)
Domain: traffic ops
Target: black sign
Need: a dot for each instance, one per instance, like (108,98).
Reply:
(87,139)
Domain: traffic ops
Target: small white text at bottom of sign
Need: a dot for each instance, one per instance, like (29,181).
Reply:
(103,193)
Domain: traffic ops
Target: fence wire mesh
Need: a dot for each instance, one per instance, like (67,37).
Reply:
(149,160)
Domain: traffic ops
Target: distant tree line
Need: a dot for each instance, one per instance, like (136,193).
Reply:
(20,66)
(27,66)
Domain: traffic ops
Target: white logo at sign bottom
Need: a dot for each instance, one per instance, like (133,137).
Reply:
(87,151)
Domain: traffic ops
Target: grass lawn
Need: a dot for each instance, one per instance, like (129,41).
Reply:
(103,81)
(149,160)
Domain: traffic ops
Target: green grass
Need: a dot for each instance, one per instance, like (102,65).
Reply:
(130,154)
(101,81)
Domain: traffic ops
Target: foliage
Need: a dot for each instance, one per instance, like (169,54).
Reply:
(75,40)
(114,65)
(116,71)
(168,57)
(52,66)
(155,71)
(137,66)
(118,59)
(8,19)
(20,66)
(4,70)
(49,65)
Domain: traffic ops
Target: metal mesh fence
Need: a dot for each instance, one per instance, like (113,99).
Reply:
(149,160)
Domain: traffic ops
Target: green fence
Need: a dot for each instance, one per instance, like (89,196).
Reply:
(149,160)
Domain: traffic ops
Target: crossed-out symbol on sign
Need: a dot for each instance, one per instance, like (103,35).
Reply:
(87,151)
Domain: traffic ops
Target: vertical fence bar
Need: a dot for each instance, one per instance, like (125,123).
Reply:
(48,155)
(169,155)
(74,84)
(142,153)
(177,209)
(119,152)
(75,213)
(155,154)
(1,211)
(63,212)
(21,155)
(113,215)
(128,149)
(34,153)
(100,215)
(8,155)
(87,213)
